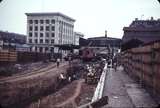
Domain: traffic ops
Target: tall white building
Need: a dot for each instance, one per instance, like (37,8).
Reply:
(77,36)
(45,30)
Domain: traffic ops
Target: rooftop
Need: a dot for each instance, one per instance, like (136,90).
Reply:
(50,14)
(103,37)
(149,23)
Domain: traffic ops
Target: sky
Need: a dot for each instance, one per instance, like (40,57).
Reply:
(92,17)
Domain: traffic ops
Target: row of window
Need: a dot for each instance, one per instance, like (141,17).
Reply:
(47,28)
(47,34)
(41,41)
(47,21)
(65,24)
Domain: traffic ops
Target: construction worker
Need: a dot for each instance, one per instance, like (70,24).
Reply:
(58,62)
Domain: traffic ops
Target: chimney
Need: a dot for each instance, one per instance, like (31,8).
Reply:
(136,19)
(105,33)
(152,18)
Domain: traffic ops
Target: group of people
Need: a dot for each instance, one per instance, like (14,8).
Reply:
(113,63)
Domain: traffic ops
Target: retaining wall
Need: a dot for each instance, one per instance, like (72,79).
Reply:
(143,63)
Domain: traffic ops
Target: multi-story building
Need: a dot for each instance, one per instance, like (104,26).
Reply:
(77,36)
(45,30)
(142,30)
(13,41)
(105,44)
(102,44)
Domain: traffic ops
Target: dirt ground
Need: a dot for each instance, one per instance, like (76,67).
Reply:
(71,96)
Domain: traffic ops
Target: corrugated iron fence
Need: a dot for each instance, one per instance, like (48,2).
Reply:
(143,63)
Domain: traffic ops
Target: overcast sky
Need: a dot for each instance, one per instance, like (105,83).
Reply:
(93,17)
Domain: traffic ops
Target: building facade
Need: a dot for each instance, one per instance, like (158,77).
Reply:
(77,36)
(13,41)
(105,44)
(102,45)
(142,30)
(45,30)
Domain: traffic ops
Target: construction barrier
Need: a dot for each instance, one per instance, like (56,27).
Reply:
(8,56)
(143,63)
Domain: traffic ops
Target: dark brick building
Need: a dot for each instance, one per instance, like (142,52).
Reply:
(102,45)
(12,40)
(141,32)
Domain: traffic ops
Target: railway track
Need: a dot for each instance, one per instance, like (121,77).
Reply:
(27,73)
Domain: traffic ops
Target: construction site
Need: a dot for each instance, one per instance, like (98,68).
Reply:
(44,84)
(82,82)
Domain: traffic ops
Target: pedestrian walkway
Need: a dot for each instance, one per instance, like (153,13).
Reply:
(123,92)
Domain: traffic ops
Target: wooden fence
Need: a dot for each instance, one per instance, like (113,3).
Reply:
(143,63)
(32,56)
(8,56)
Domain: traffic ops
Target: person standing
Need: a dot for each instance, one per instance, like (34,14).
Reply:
(58,62)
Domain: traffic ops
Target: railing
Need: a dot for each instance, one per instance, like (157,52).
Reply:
(99,89)
(97,99)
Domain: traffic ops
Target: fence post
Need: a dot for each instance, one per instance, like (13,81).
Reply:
(153,55)
(141,70)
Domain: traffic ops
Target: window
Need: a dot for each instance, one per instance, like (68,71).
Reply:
(41,34)
(41,21)
(36,21)
(36,41)
(36,28)
(46,41)
(46,48)
(35,48)
(53,28)
(52,41)
(40,49)
(47,34)
(53,21)
(35,34)
(30,28)
(30,34)
(47,21)
(41,28)
(53,35)
(41,40)
(47,28)
(30,40)
(30,21)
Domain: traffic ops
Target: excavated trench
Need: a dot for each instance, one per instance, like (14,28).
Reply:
(44,91)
